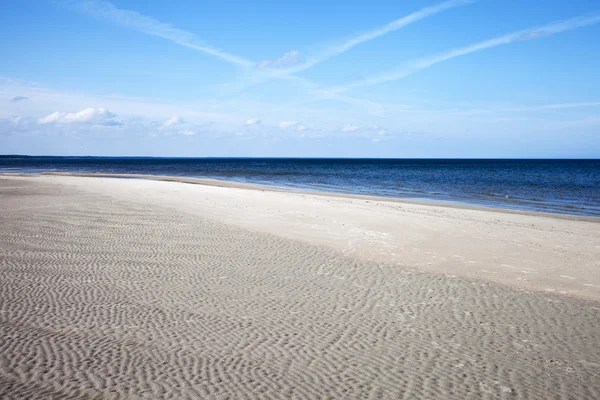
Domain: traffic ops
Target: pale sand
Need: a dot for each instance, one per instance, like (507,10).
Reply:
(113,288)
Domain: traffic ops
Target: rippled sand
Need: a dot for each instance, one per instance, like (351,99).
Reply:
(109,298)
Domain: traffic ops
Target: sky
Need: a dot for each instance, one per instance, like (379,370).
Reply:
(413,78)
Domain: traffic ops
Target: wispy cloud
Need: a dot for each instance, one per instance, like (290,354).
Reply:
(90,116)
(399,23)
(287,124)
(350,128)
(176,120)
(293,62)
(543,107)
(287,60)
(379,136)
(150,26)
(294,125)
(16,124)
(528,34)
(557,106)
(18,120)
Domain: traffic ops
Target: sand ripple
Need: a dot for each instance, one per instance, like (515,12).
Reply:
(106,299)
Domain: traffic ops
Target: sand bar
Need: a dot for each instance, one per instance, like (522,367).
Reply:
(116,288)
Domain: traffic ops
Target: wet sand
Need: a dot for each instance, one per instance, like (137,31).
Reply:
(133,289)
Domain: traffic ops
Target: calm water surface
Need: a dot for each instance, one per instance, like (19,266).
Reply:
(559,186)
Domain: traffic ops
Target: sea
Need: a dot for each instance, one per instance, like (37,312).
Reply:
(555,186)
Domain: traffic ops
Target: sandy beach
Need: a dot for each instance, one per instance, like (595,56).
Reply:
(147,289)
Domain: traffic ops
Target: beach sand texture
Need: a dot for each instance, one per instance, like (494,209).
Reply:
(133,289)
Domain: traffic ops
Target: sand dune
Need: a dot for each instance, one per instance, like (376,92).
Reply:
(117,289)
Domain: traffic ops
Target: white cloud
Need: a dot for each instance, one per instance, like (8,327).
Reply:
(350,128)
(252,121)
(287,60)
(188,132)
(90,116)
(48,100)
(294,125)
(176,120)
(54,117)
(287,124)
(150,26)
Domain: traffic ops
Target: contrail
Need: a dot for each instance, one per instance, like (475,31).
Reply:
(150,26)
(559,106)
(528,34)
(377,32)
(544,107)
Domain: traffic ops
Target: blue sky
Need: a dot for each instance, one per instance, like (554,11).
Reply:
(415,78)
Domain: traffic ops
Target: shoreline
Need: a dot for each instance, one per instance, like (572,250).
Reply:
(258,187)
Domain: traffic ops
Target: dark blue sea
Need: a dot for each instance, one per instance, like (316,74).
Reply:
(557,186)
